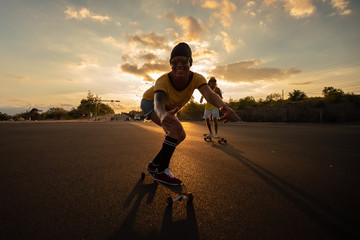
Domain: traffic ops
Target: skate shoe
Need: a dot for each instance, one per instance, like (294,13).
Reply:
(152,168)
(166,177)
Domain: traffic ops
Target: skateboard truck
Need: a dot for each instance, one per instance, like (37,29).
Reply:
(209,139)
(180,190)
(179,198)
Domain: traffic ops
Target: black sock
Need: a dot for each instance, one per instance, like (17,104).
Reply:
(157,159)
(167,151)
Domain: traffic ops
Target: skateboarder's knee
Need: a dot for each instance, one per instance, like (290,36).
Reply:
(182,136)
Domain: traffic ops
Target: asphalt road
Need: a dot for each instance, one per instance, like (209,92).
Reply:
(69,180)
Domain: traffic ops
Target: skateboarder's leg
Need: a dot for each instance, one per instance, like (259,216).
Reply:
(216,115)
(175,135)
(208,124)
(162,172)
(207,115)
(172,139)
(215,125)
(167,151)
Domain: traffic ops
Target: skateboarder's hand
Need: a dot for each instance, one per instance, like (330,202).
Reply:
(170,122)
(229,115)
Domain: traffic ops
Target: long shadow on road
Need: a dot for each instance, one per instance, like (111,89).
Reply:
(180,229)
(337,224)
(139,191)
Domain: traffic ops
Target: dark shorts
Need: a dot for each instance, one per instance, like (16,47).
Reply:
(147,107)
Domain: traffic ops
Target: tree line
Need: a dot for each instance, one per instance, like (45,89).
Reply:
(333,106)
(87,108)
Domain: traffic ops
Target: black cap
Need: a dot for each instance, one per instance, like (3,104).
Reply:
(182,49)
(212,79)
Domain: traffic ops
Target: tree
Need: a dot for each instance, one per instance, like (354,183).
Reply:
(232,103)
(75,113)
(297,96)
(56,113)
(92,104)
(4,117)
(34,114)
(333,95)
(103,109)
(273,97)
(87,105)
(192,111)
(247,102)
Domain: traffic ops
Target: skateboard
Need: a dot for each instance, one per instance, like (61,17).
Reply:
(209,139)
(180,190)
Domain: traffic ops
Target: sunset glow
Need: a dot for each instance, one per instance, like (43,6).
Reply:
(53,52)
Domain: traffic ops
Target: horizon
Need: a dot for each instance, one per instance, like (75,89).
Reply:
(54,52)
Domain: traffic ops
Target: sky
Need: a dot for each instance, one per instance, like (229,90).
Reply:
(52,52)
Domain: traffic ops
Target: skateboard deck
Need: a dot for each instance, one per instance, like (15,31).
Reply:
(180,190)
(209,139)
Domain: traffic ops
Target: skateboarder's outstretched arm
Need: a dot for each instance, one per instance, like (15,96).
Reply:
(214,99)
(169,122)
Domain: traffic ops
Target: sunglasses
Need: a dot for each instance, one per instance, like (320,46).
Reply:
(182,61)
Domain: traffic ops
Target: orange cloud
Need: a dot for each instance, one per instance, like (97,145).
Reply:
(145,69)
(84,13)
(191,27)
(246,71)
(341,6)
(223,11)
(229,46)
(148,39)
(296,8)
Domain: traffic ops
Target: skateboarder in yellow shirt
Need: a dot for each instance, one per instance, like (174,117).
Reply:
(161,102)
(210,110)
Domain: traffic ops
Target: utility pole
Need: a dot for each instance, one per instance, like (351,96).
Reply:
(98,100)
(282,105)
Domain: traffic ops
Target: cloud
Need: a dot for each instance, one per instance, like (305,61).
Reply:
(148,56)
(134,23)
(249,11)
(132,69)
(228,42)
(229,46)
(84,13)
(296,8)
(148,39)
(192,28)
(147,78)
(341,6)
(223,11)
(302,83)
(111,40)
(246,71)
(172,32)
(250,3)
(85,62)
(146,69)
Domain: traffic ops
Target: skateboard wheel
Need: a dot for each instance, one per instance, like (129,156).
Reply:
(224,141)
(219,141)
(170,201)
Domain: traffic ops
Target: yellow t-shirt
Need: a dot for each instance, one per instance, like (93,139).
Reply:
(175,98)
(208,106)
